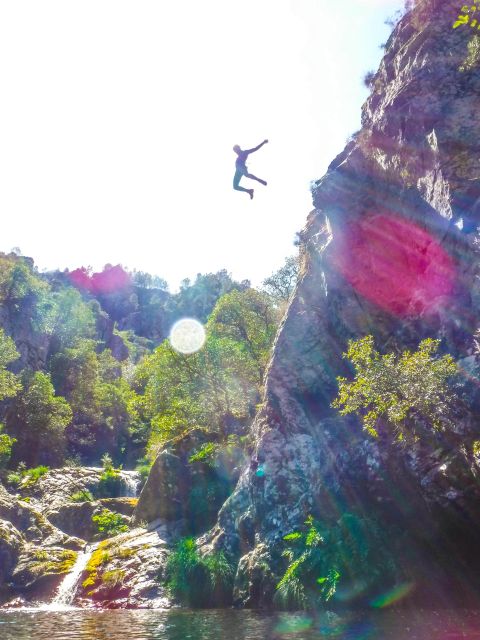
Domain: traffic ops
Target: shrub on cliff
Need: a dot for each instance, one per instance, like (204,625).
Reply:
(308,579)
(195,580)
(401,391)
(109,523)
(349,554)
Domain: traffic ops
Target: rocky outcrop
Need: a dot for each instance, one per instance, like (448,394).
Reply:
(41,529)
(125,571)
(177,490)
(382,254)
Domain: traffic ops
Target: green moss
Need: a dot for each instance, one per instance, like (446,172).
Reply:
(109,523)
(99,557)
(113,578)
(81,496)
(52,562)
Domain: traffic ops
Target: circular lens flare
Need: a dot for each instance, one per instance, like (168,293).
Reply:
(187,336)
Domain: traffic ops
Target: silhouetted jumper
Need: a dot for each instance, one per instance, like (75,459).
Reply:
(242,170)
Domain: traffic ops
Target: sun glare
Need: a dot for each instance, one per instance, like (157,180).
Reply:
(187,335)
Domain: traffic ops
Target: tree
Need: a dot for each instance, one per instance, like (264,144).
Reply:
(217,386)
(101,400)
(6,444)
(68,317)
(197,391)
(9,384)
(198,299)
(404,391)
(38,419)
(249,319)
(281,283)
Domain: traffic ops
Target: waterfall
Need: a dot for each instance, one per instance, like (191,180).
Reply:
(132,480)
(68,587)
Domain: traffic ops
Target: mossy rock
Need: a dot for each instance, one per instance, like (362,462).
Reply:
(40,570)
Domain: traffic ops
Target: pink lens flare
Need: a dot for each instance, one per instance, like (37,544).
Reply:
(107,281)
(395,264)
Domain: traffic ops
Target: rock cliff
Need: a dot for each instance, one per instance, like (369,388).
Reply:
(391,249)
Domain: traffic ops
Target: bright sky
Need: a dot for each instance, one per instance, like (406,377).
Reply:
(117,122)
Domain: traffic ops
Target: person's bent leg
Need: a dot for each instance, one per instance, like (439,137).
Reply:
(252,177)
(236,183)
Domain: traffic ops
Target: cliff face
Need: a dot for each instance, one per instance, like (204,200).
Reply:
(382,254)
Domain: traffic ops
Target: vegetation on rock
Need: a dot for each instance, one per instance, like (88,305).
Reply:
(196,580)
(404,390)
(109,523)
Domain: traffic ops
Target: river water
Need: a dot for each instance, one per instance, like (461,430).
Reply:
(181,624)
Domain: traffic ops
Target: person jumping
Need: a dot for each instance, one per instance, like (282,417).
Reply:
(242,170)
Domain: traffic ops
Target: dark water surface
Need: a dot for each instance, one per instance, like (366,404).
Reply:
(234,625)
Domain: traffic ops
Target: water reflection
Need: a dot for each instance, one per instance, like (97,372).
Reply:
(236,625)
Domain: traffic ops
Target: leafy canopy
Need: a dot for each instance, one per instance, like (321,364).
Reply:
(179,393)
(38,419)
(402,390)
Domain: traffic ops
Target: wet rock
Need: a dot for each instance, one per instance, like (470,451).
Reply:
(124,571)
(39,570)
(255,581)
(55,488)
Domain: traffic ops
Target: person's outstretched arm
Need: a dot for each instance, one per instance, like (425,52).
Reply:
(257,148)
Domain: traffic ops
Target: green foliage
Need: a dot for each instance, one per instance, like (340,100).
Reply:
(180,393)
(9,384)
(207,453)
(143,467)
(81,496)
(350,552)
(280,285)
(402,390)
(67,317)
(14,478)
(210,451)
(249,320)
(101,400)
(38,419)
(473,56)
(109,523)
(6,444)
(31,476)
(26,477)
(197,391)
(308,579)
(107,462)
(111,484)
(197,299)
(195,580)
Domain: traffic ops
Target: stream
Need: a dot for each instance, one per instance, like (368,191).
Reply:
(182,624)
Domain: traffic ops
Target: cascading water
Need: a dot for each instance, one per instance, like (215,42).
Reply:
(132,481)
(68,587)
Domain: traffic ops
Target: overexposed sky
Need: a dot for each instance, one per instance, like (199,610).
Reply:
(117,121)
